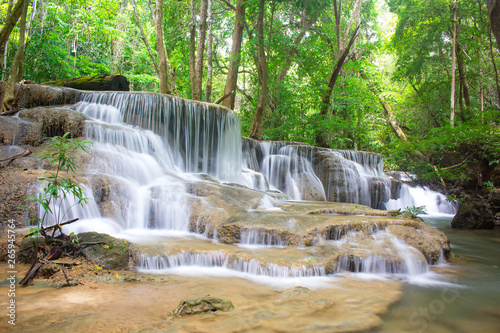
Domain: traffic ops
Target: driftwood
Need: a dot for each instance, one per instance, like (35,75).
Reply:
(95,83)
(25,153)
(53,254)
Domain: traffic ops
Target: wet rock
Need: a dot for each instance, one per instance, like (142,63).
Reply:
(379,192)
(16,185)
(110,196)
(297,293)
(475,214)
(48,270)
(310,187)
(15,131)
(109,252)
(430,244)
(190,307)
(56,121)
(339,178)
(495,176)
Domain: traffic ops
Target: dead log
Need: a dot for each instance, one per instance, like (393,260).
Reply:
(25,153)
(100,82)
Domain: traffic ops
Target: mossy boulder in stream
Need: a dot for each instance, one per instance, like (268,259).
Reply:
(190,307)
(107,251)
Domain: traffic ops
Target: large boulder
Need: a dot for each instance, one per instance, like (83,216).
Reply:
(475,214)
(495,176)
(33,95)
(15,131)
(106,251)
(56,121)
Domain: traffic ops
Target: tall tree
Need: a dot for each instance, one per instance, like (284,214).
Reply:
(257,128)
(208,90)
(343,49)
(163,65)
(235,57)
(494,17)
(10,22)
(16,70)
(453,63)
(200,50)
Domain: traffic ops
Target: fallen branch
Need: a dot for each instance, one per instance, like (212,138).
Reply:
(224,97)
(25,153)
(42,230)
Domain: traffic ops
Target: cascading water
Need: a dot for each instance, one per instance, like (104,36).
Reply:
(434,202)
(148,147)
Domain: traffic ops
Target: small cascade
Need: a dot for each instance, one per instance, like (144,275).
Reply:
(393,256)
(318,174)
(260,237)
(222,259)
(434,202)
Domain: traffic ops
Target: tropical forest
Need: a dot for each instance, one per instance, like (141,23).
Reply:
(250,166)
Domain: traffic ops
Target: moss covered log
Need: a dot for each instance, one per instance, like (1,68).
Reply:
(95,83)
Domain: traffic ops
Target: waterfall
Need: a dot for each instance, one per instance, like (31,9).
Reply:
(200,138)
(145,147)
(150,148)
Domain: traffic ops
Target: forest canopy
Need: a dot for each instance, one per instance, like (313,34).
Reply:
(414,80)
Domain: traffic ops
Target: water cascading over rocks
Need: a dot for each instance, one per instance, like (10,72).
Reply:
(311,173)
(163,164)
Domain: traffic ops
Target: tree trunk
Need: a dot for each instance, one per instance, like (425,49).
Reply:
(494,17)
(202,35)
(257,128)
(165,87)
(192,46)
(144,39)
(3,61)
(232,73)
(16,70)
(100,82)
(492,56)
(208,90)
(8,26)
(453,64)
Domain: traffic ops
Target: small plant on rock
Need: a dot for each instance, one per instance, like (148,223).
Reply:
(59,184)
(413,211)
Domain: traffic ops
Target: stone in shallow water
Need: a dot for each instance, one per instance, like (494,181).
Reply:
(190,307)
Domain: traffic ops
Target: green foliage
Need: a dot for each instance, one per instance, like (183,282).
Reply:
(413,211)
(58,184)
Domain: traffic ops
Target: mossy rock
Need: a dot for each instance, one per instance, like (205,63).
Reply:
(195,306)
(108,252)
